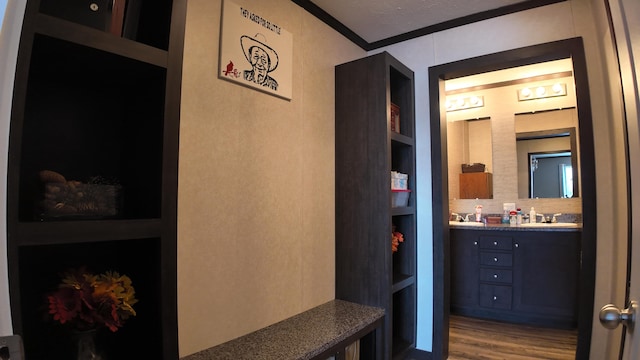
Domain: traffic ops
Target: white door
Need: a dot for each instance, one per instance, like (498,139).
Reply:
(626,26)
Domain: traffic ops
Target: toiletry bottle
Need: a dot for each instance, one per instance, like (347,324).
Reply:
(512,217)
(478,213)
(532,215)
(519,217)
(505,216)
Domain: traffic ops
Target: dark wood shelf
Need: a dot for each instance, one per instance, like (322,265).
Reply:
(403,210)
(96,39)
(402,139)
(100,113)
(48,233)
(402,281)
(367,150)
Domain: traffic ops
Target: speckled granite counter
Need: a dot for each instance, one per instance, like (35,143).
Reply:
(507,227)
(304,336)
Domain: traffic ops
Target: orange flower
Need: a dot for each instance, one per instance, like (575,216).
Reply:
(396,239)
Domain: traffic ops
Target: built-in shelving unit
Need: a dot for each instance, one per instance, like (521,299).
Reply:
(367,150)
(97,102)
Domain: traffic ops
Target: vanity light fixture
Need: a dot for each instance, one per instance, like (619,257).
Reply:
(542,92)
(464,103)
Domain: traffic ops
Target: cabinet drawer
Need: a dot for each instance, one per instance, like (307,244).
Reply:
(496,259)
(496,275)
(496,242)
(495,296)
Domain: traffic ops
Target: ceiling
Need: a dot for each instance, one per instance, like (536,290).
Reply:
(376,23)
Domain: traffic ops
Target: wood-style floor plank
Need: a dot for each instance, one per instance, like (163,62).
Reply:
(475,339)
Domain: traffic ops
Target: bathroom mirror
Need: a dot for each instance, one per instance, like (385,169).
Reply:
(548,138)
(547,155)
(546,163)
(469,142)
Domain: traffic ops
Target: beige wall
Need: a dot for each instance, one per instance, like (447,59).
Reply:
(256,182)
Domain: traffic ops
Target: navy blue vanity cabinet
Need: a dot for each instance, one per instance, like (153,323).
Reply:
(465,251)
(545,284)
(526,277)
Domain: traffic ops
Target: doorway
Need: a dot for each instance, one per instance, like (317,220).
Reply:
(565,49)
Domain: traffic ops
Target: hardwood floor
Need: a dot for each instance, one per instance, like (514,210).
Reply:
(474,339)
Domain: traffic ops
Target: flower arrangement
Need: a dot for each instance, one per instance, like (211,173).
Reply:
(86,301)
(396,239)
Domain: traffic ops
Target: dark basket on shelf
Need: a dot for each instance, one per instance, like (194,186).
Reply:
(75,199)
(472,168)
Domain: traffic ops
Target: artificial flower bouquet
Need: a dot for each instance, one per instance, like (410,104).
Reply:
(87,301)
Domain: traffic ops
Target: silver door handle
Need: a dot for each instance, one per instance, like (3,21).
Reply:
(611,316)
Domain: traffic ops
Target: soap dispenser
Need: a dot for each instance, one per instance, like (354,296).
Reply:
(532,215)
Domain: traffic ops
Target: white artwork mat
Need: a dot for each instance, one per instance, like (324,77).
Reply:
(255,51)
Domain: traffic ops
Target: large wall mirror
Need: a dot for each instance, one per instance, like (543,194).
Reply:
(522,124)
(548,153)
(470,142)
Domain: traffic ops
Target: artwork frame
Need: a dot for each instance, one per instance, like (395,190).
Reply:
(395,118)
(255,51)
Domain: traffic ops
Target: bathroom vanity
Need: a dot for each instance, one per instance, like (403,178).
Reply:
(516,274)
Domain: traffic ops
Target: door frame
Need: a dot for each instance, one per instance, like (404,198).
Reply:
(569,48)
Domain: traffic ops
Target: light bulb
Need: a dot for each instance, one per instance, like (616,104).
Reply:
(557,88)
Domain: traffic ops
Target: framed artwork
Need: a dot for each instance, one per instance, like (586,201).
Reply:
(395,118)
(255,51)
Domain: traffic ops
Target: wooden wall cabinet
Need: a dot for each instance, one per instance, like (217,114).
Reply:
(367,150)
(103,110)
(527,277)
(477,185)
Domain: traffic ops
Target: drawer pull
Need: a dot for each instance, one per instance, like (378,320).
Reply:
(495,243)
(495,298)
(475,243)
(495,259)
(495,276)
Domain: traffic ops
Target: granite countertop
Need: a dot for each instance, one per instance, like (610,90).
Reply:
(508,227)
(302,336)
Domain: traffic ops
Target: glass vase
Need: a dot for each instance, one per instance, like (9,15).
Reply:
(85,345)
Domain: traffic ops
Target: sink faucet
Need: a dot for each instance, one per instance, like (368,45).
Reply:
(466,217)
(456,216)
(544,219)
(554,220)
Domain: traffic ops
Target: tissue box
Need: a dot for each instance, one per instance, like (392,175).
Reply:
(400,198)
(399,181)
